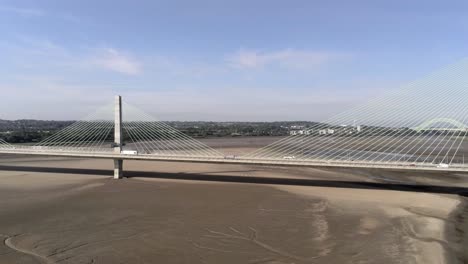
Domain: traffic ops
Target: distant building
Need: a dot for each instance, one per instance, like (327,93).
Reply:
(326,131)
(297,132)
(331,130)
(296,127)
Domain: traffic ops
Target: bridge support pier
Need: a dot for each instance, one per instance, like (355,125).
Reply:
(118,163)
(118,169)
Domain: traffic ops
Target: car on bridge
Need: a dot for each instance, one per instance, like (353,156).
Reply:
(129,152)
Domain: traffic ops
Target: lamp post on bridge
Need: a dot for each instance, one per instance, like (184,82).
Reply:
(118,163)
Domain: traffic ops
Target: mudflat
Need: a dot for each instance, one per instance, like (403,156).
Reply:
(70,211)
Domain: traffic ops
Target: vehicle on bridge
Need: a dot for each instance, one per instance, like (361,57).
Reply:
(129,152)
(443,165)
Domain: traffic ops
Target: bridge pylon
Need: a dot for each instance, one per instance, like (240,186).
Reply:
(118,142)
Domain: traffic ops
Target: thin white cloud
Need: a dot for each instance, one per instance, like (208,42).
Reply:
(40,46)
(34,12)
(29,12)
(287,58)
(116,61)
(40,53)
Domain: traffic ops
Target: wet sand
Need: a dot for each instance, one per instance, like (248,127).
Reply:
(163,215)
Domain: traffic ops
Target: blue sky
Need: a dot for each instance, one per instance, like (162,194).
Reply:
(219,60)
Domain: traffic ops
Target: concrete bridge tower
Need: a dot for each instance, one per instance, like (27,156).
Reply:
(118,163)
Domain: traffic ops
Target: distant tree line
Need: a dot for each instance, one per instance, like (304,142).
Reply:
(26,131)
(224,129)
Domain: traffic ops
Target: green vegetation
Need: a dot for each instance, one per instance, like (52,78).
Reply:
(26,131)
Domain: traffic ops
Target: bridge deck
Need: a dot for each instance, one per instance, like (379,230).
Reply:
(239,160)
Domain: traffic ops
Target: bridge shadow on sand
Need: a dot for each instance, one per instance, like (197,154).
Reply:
(462,191)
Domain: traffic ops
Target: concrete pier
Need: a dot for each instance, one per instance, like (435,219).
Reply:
(118,163)
(118,169)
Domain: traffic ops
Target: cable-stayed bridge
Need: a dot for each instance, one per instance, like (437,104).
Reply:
(419,127)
